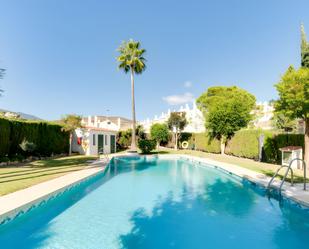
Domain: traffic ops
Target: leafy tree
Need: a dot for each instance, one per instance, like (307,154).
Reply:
(226,110)
(304,49)
(131,60)
(282,122)
(71,122)
(159,132)
(293,90)
(176,123)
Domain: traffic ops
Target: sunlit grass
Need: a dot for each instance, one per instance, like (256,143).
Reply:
(265,168)
(13,178)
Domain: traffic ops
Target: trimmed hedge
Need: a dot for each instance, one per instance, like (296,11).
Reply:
(245,143)
(48,138)
(272,145)
(202,142)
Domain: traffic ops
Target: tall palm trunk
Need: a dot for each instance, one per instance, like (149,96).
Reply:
(133,144)
(70,143)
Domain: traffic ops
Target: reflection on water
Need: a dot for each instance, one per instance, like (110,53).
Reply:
(149,203)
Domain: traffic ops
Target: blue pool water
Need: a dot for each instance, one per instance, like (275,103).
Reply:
(160,203)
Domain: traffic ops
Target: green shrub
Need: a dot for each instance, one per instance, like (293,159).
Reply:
(146,145)
(202,142)
(27,147)
(273,144)
(123,139)
(245,143)
(48,138)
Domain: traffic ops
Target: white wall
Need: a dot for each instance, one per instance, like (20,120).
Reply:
(88,147)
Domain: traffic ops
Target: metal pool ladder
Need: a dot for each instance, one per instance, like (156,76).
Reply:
(286,173)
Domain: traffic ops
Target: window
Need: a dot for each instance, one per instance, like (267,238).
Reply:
(105,139)
(93,139)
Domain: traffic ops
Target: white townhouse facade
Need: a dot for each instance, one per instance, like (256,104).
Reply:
(195,118)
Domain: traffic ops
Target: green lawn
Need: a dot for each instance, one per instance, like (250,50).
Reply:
(265,168)
(13,178)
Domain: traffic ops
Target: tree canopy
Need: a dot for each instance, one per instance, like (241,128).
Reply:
(226,110)
(71,122)
(159,132)
(293,102)
(282,122)
(177,120)
(293,90)
(131,57)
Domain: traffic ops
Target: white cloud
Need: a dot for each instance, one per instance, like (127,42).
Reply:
(187,84)
(179,99)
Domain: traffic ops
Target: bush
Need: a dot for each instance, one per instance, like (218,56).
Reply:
(159,132)
(146,145)
(273,144)
(124,139)
(245,143)
(202,142)
(48,138)
(27,147)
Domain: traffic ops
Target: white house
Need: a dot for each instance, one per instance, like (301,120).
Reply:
(94,141)
(195,118)
(264,112)
(107,122)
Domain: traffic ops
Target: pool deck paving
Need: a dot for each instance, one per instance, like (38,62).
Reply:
(12,204)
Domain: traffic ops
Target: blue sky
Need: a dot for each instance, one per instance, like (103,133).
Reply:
(60,54)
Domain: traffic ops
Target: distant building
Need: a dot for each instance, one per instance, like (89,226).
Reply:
(264,112)
(109,123)
(98,135)
(195,118)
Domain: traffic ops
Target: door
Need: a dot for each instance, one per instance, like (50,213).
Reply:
(100,144)
(113,144)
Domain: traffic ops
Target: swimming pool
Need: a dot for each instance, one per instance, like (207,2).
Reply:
(147,202)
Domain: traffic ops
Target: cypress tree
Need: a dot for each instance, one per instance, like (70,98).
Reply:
(304,48)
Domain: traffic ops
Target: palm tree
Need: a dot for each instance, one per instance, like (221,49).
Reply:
(131,60)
